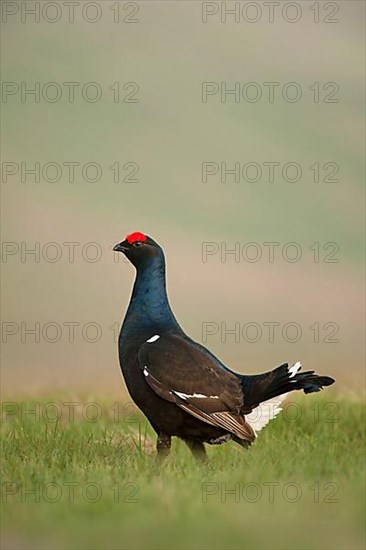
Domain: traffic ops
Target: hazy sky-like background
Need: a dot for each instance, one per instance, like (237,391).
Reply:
(164,136)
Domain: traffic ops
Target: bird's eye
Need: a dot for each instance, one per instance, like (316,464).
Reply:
(137,244)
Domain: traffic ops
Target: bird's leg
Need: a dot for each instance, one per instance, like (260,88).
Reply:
(163,445)
(197,448)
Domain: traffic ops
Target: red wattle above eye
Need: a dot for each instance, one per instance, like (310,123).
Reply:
(137,236)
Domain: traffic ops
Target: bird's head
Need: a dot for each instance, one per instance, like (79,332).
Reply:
(140,249)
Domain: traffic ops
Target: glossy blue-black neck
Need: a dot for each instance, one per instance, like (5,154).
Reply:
(149,306)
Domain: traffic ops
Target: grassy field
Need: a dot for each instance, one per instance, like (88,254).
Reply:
(91,480)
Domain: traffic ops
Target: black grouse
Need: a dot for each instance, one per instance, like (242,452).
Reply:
(182,388)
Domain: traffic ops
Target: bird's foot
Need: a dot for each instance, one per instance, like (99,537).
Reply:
(163,445)
(198,449)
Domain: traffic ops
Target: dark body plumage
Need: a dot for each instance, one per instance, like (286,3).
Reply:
(182,388)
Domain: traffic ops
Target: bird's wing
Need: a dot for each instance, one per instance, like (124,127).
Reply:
(180,371)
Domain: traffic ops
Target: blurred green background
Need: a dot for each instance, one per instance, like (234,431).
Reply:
(169,133)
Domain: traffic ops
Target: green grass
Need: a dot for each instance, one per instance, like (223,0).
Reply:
(314,464)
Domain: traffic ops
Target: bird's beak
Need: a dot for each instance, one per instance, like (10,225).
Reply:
(119,247)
